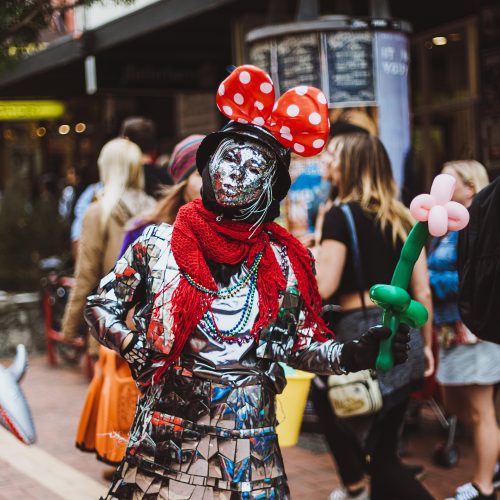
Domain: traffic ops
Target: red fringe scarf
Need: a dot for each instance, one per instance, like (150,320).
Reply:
(198,236)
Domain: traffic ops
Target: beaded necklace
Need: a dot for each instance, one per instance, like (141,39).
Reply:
(227,293)
(231,334)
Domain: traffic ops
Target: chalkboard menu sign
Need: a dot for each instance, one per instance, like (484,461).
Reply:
(298,61)
(260,55)
(350,67)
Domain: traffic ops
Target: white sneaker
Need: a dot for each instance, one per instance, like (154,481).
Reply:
(341,494)
(469,492)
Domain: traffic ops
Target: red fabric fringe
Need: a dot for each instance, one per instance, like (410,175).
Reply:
(197,236)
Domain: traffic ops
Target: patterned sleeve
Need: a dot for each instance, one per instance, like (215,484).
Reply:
(287,341)
(118,292)
(322,358)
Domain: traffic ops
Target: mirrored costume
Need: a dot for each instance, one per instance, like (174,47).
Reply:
(207,429)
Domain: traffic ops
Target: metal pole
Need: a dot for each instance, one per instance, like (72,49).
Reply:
(307,10)
(380,8)
(277,12)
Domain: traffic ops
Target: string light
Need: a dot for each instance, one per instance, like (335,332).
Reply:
(439,40)
(80,128)
(64,129)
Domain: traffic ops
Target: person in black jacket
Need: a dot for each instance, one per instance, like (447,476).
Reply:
(479,265)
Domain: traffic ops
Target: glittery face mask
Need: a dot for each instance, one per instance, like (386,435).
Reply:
(242,174)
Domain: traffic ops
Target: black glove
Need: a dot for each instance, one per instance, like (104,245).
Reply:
(362,354)
(143,362)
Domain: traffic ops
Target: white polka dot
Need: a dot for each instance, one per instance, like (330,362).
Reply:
(222,89)
(275,106)
(285,133)
(318,143)
(292,110)
(228,110)
(315,118)
(266,88)
(302,90)
(299,148)
(259,105)
(245,77)
(242,120)
(258,120)
(321,98)
(238,99)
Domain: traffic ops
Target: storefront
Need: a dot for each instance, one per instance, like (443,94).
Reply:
(164,60)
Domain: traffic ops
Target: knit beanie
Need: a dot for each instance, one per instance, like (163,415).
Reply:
(183,159)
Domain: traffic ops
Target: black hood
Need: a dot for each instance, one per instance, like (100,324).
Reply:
(241,130)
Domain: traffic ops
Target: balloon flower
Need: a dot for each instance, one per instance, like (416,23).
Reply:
(436,215)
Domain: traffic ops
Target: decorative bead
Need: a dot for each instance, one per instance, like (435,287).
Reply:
(228,292)
(230,335)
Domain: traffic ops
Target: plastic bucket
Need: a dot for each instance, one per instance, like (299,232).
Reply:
(290,406)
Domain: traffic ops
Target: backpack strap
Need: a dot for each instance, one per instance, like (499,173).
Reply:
(356,257)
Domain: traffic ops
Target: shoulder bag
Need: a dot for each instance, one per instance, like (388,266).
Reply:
(358,393)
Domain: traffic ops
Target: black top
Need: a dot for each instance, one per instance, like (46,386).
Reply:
(155,177)
(378,254)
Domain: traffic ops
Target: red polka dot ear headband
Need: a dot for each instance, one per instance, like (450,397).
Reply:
(298,119)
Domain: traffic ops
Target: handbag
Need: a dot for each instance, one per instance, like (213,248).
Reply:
(358,393)
(354,394)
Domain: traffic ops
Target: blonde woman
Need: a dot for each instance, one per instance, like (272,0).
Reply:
(360,169)
(122,196)
(468,369)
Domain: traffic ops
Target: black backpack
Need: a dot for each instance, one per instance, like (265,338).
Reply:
(479,265)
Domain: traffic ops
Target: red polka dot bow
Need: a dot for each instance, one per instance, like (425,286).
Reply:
(298,119)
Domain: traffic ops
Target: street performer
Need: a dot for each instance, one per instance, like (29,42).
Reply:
(221,298)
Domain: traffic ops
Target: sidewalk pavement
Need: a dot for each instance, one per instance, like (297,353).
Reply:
(48,470)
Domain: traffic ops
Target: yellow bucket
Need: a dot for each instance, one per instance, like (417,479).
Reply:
(290,406)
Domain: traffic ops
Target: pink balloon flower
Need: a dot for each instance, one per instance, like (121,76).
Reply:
(438,210)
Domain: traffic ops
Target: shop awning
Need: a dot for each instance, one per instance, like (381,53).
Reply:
(69,51)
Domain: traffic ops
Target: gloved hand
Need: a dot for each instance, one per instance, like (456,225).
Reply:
(361,354)
(143,362)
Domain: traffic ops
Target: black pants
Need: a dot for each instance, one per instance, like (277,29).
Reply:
(389,479)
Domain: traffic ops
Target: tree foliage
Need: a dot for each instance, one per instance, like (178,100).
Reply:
(22,21)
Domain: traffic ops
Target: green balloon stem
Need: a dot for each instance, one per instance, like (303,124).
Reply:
(401,278)
(409,255)
(385,360)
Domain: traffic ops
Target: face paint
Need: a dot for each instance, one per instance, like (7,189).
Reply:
(241,172)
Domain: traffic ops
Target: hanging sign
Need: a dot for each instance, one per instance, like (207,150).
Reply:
(350,68)
(260,55)
(298,61)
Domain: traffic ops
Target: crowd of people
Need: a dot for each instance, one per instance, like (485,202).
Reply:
(196,274)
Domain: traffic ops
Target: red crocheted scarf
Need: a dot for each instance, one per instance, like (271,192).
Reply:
(198,236)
